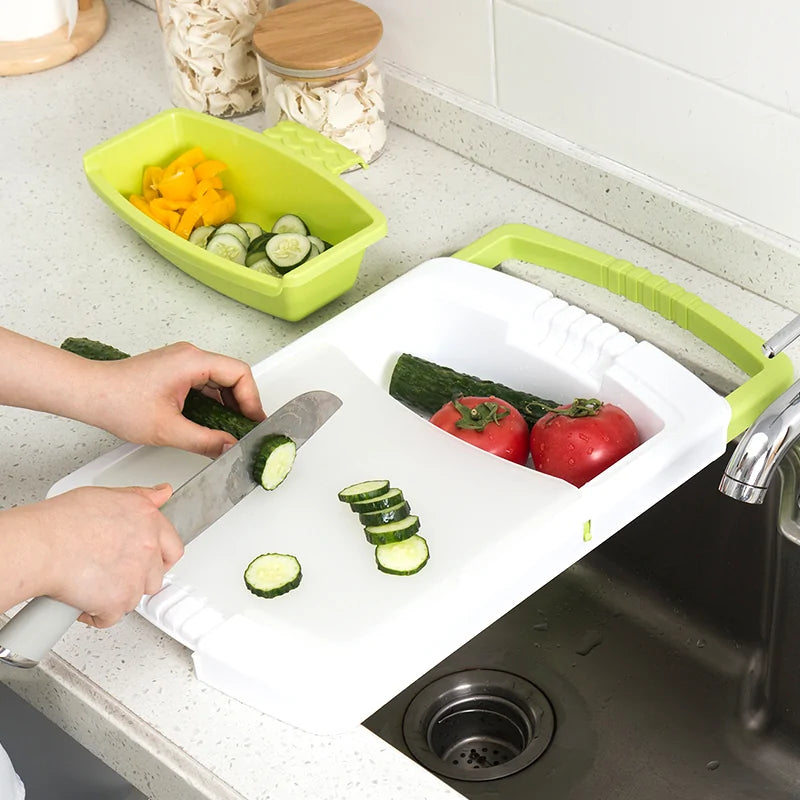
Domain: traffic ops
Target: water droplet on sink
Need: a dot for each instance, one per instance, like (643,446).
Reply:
(541,626)
(700,643)
(588,642)
(712,764)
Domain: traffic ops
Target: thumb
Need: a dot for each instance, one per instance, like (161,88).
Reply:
(158,495)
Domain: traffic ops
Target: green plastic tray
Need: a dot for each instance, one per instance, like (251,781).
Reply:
(769,376)
(287,169)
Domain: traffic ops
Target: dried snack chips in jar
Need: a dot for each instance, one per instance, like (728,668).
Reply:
(318,68)
(208,45)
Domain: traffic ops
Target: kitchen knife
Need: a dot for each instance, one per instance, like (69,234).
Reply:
(28,636)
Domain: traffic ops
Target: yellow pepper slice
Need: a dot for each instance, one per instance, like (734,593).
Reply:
(222,210)
(189,158)
(165,215)
(143,206)
(178,185)
(205,184)
(209,168)
(150,180)
(192,216)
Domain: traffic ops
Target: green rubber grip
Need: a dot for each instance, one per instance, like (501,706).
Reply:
(312,146)
(769,377)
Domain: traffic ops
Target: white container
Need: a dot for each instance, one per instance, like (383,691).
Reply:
(317,67)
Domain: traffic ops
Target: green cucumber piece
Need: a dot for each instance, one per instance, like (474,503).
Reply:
(383,515)
(288,251)
(395,531)
(252,229)
(274,460)
(265,267)
(197,407)
(201,235)
(388,498)
(290,223)
(425,386)
(228,246)
(362,490)
(402,558)
(233,229)
(273,574)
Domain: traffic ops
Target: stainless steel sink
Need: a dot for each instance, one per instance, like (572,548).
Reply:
(665,666)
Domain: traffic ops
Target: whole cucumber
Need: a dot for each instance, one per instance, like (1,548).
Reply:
(426,386)
(197,407)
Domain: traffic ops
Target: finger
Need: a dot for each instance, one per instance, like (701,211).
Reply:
(195,438)
(236,376)
(171,550)
(99,620)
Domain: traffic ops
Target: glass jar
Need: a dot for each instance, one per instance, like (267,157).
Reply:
(211,64)
(317,67)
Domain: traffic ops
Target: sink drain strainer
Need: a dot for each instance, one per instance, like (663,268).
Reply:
(478,725)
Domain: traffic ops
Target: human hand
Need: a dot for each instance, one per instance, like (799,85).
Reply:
(141,397)
(99,549)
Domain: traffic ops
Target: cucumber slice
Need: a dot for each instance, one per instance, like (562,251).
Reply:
(402,558)
(259,243)
(288,250)
(266,267)
(253,256)
(252,229)
(320,244)
(200,236)
(274,460)
(228,246)
(362,491)
(396,531)
(383,515)
(290,223)
(388,498)
(234,229)
(273,574)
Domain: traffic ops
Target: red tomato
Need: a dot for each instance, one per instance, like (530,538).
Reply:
(578,448)
(487,422)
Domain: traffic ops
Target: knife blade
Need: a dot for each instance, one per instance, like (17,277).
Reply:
(218,487)
(193,507)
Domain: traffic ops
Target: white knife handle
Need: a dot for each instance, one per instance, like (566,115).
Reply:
(31,633)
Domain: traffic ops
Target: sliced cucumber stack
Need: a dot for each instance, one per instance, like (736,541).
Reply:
(275,252)
(388,524)
(274,460)
(273,574)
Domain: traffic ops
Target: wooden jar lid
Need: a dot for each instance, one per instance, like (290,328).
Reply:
(318,35)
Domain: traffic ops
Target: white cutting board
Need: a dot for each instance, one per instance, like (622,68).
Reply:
(327,655)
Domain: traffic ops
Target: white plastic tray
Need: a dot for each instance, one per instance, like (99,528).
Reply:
(326,656)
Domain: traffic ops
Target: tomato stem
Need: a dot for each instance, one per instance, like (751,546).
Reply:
(580,407)
(477,418)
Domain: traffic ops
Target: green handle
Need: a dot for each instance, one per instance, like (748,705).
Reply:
(313,146)
(769,376)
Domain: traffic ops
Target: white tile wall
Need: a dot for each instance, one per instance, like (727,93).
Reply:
(700,95)
(449,41)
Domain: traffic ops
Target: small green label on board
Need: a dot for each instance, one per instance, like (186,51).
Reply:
(587,531)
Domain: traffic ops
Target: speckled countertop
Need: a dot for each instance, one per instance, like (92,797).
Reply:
(71,268)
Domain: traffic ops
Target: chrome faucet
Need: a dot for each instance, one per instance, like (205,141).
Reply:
(769,438)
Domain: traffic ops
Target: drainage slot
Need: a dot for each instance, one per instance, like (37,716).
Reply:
(478,725)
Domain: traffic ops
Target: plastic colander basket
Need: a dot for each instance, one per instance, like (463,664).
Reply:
(287,169)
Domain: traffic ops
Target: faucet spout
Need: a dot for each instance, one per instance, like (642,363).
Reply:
(761,448)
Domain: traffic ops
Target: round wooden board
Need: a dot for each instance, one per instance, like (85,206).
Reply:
(45,52)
